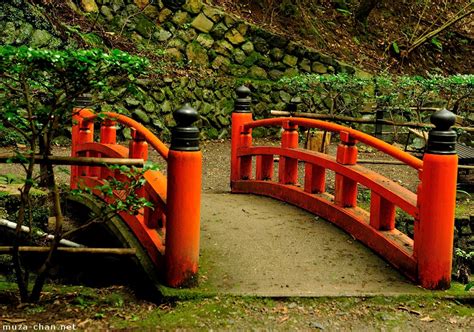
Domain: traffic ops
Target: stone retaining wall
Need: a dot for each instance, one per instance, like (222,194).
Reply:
(227,49)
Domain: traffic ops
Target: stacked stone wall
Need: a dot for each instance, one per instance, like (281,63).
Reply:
(227,50)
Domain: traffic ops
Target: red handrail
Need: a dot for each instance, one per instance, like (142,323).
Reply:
(150,138)
(355,134)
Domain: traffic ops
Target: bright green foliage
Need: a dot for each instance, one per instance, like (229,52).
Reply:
(128,182)
(344,94)
(39,87)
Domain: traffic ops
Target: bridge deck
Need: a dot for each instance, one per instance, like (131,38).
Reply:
(259,246)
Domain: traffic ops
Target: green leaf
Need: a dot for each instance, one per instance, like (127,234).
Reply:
(435,42)
(395,47)
(469,285)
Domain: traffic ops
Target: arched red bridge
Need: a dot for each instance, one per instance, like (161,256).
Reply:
(170,232)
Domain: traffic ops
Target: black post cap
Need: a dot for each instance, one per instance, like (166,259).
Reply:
(242,104)
(185,136)
(174,4)
(442,139)
(84,100)
(292,107)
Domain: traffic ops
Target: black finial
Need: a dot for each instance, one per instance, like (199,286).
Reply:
(185,136)
(242,104)
(292,107)
(174,4)
(84,100)
(442,139)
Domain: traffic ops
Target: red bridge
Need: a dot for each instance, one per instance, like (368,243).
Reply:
(170,232)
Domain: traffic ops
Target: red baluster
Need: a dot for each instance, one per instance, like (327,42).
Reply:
(264,167)
(138,148)
(314,179)
(345,188)
(108,135)
(382,213)
(288,167)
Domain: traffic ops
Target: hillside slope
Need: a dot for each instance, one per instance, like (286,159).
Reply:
(329,26)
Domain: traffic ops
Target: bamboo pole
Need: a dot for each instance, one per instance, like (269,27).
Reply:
(64,160)
(94,251)
(358,120)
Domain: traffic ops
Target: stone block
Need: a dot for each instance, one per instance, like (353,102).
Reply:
(234,37)
(213,13)
(305,65)
(181,18)
(193,6)
(277,54)
(89,6)
(290,60)
(221,63)
(239,56)
(248,47)
(319,68)
(197,54)
(258,73)
(223,47)
(205,40)
(202,23)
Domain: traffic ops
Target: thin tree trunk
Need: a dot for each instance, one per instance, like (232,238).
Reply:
(364,9)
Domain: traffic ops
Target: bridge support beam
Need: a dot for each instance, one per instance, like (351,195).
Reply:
(434,231)
(183,201)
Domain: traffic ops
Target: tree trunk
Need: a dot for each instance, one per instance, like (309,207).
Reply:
(364,9)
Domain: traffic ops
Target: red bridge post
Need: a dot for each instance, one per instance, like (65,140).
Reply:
(82,132)
(183,200)
(108,135)
(434,231)
(240,168)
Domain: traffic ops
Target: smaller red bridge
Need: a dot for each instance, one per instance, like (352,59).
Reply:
(428,258)
(169,232)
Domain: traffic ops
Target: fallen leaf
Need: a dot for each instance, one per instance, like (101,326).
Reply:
(283,319)
(427,319)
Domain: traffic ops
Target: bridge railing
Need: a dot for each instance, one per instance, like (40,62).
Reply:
(170,230)
(427,258)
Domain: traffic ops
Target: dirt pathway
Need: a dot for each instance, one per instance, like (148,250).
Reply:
(255,245)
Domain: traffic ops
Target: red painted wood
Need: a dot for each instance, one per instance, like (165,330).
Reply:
(149,238)
(393,192)
(354,134)
(245,164)
(382,213)
(150,138)
(183,216)
(393,245)
(108,132)
(435,229)
(264,168)
(345,187)
(238,119)
(288,167)
(314,179)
